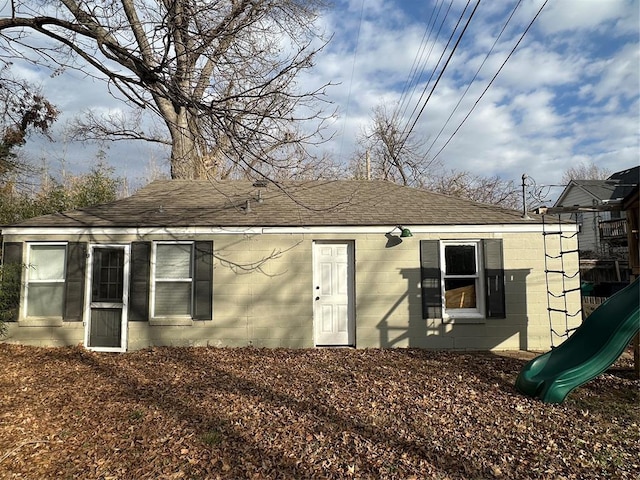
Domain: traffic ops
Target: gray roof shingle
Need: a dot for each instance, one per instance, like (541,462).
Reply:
(600,189)
(187,203)
(627,180)
(612,190)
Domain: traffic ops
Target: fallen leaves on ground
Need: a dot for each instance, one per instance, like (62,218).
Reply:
(208,413)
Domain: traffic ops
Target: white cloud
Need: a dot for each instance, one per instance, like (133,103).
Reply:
(534,66)
(543,111)
(576,15)
(537,113)
(569,93)
(619,75)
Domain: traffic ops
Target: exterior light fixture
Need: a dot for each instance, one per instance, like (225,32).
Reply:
(394,240)
(404,232)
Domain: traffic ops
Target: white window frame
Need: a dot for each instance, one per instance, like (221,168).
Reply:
(470,313)
(154,280)
(29,281)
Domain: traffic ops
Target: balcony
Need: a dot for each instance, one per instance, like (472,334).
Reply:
(613,231)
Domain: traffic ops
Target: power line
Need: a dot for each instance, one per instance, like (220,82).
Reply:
(474,77)
(419,60)
(353,68)
(435,69)
(492,80)
(441,73)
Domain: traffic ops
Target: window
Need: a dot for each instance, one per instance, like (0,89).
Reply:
(171,282)
(461,279)
(45,280)
(172,277)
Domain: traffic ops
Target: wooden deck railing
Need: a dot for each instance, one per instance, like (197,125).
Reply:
(613,229)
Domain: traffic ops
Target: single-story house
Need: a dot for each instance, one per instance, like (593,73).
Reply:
(296,264)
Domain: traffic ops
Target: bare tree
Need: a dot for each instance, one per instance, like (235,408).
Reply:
(23,110)
(384,152)
(220,74)
(463,184)
(585,171)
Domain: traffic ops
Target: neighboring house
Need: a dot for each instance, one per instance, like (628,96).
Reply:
(596,205)
(298,264)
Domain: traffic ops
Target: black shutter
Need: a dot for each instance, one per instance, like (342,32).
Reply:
(74,285)
(494,278)
(12,253)
(431,279)
(139,285)
(203,281)
(12,275)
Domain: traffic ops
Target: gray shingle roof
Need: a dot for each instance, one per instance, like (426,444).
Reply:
(611,190)
(627,180)
(176,203)
(600,189)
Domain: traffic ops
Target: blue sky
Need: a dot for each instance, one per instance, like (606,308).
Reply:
(569,93)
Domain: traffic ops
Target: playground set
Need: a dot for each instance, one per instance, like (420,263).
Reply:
(588,350)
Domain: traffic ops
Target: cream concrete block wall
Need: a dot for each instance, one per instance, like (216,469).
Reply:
(262,289)
(389,313)
(263,296)
(525,266)
(69,333)
(525,293)
(388,303)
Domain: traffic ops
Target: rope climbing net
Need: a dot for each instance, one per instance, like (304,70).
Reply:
(558,281)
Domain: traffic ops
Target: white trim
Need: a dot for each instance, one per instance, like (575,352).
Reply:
(351,285)
(124,332)
(477,313)
(333,230)
(153,280)
(24,308)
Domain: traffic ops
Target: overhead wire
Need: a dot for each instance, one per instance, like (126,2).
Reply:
(419,62)
(435,68)
(353,68)
(425,62)
(492,79)
(504,27)
(414,67)
(407,133)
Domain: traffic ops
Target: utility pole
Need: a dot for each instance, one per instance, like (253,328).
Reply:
(368,164)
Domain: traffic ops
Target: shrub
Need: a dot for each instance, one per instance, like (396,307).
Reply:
(10,278)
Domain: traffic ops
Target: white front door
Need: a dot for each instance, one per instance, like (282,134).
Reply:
(333,285)
(107,294)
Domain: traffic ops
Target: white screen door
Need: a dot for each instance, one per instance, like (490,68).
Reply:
(333,277)
(106,310)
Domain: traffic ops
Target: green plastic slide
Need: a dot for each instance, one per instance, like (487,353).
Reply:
(593,347)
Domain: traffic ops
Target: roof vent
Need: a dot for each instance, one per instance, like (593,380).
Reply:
(260,184)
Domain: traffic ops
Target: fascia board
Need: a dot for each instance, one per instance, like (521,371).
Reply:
(266,230)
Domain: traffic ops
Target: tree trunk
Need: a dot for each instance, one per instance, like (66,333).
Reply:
(184,153)
(222,74)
